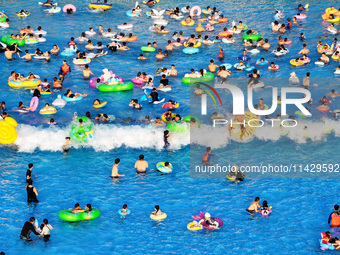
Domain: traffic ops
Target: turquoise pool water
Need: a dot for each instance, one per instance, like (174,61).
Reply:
(300,206)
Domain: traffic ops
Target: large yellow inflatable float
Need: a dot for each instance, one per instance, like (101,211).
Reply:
(249,132)
(8,134)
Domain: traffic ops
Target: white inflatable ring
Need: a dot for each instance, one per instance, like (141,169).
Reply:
(196,9)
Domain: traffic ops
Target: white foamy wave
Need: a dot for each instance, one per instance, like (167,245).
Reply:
(107,137)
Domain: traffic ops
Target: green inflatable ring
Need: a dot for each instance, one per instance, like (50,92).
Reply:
(147,49)
(245,27)
(252,37)
(9,41)
(82,133)
(207,77)
(3,19)
(117,87)
(66,215)
(188,119)
(178,127)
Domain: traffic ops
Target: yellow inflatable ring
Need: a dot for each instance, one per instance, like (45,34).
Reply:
(335,20)
(249,130)
(335,57)
(198,44)
(190,24)
(49,111)
(173,115)
(16,84)
(195,228)
(158,217)
(328,10)
(100,105)
(8,134)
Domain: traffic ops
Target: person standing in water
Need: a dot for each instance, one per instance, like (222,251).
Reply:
(32,192)
(254,205)
(141,165)
(29,172)
(27,229)
(114,173)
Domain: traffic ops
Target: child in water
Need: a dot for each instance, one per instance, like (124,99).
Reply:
(124,210)
(265,209)
(166,137)
(207,157)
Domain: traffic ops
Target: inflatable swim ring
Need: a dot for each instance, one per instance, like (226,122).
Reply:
(195,11)
(205,78)
(252,37)
(82,133)
(66,215)
(122,214)
(30,41)
(102,105)
(8,134)
(227,66)
(90,33)
(173,115)
(170,106)
(198,44)
(128,39)
(125,26)
(81,61)
(158,217)
(178,127)
(238,67)
(259,63)
(69,99)
(236,132)
(190,51)
(23,15)
(129,13)
(117,87)
(300,16)
(29,84)
(319,63)
(220,224)
(189,227)
(224,34)
(277,67)
(9,41)
(69,6)
(104,6)
(56,10)
(192,22)
(162,168)
(51,110)
(188,119)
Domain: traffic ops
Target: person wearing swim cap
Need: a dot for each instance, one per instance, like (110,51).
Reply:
(209,221)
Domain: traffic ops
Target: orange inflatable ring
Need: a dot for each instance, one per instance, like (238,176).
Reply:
(223,20)
(129,39)
(224,34)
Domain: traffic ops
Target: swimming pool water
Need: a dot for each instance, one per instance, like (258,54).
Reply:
(300,206)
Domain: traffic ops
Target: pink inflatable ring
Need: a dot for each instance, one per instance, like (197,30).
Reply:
(300,16)
(70,6)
